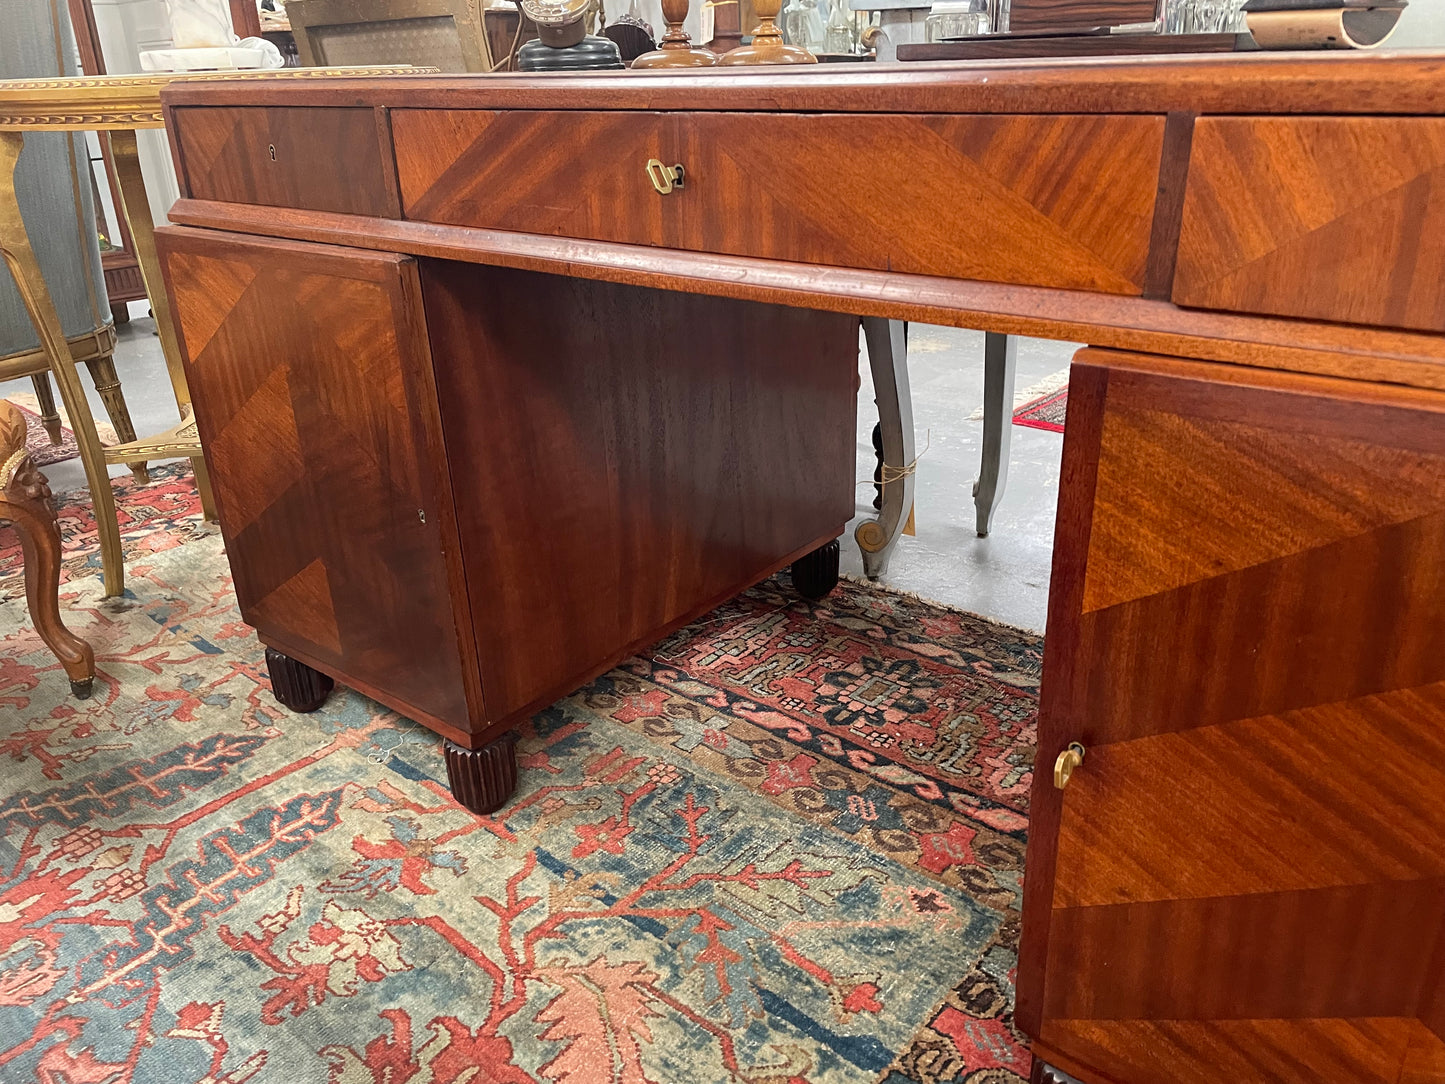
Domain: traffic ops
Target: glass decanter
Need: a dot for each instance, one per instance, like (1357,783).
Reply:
(838,38)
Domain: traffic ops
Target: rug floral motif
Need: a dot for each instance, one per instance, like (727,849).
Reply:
(153,516)
(784,846)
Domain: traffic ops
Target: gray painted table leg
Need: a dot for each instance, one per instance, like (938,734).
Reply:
(1000,358)
(888,358)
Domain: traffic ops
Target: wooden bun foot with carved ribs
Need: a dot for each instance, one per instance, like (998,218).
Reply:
(483,779)
(295,684)
(816,574)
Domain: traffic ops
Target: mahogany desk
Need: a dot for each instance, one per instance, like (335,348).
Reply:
(514,408)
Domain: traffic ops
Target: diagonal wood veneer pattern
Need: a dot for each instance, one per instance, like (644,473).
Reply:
(311,407)
(1334,218)
(1222,907)
(1065,201)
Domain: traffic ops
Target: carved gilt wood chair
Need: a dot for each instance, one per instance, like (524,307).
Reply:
(445,34)
(25,502)
(53,306)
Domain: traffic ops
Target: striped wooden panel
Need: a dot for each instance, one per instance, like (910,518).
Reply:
(1335,218)
(1064,201)
(1248,877)
(1038,15)
(316,159)
(313,402)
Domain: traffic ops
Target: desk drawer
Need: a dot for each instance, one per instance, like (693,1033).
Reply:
(1064,201)
(313,159)
(1329,218)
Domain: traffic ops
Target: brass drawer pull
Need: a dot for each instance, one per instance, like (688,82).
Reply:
(663,178)
(1068,760)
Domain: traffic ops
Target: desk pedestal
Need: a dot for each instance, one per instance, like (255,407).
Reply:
(467,490)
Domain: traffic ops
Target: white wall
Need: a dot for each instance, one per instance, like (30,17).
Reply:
(126,27)
(1421,26)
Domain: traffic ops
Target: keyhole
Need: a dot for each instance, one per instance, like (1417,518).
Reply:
(272,149)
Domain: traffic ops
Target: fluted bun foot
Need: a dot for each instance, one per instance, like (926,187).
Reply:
(483,779)
(296,685)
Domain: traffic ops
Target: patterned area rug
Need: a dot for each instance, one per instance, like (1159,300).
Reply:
(782,847)
(153,517)
(1046,412)
(1041,405)
(37,440)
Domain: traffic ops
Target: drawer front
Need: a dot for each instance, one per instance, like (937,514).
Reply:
(313,159)
(1331,218)
(1063,201)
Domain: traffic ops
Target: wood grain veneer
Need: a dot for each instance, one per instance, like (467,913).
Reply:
(313,395)
(1334,218)
(284,156)
(612,483)
(1032,47)
(1243,866)
(1069,315)
(1037,15)
(1063,201)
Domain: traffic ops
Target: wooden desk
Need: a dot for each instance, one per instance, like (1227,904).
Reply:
(1245,877)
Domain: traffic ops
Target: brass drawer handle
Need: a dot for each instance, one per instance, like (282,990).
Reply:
(663,178)
(1068,760)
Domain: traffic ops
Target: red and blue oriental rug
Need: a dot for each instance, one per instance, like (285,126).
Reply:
(782,847)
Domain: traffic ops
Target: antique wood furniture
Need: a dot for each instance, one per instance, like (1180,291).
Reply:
(444,34)
(117,105)
(767,45)
(25,502)
(676,49)
(1244,687)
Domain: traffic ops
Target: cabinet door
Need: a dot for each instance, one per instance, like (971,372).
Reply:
(1245,879)
(314,397)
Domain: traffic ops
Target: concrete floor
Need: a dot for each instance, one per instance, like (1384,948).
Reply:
(1004,576)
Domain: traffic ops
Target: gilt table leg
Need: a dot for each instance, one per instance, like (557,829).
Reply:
(1000,359)
(888,359)
(25,501)
(483,779)
(20,258)
(142,229)
(107,386)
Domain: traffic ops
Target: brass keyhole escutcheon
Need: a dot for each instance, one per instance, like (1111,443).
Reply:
(664,178)
(1068,760)
(272,148)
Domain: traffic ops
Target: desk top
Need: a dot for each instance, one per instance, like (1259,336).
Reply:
(1269,209)
(104,102)
(1395,83)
